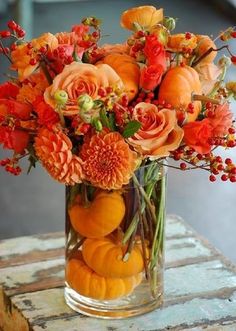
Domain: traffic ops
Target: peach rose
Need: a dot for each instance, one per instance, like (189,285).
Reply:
(22,55)
(80,78)
(159,134)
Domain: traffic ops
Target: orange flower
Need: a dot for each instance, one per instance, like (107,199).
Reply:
(80,78)
(197,135)
(54,150)
(159,133)
(144,16)
(22,55)
(108,160)
(35,86)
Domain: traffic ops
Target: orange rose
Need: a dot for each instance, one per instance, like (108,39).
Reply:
(22,55)
(144,16)
(197,135)
(151,77)
(80,78)
(159,134)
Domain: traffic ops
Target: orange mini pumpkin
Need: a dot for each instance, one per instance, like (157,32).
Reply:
(86,282)
(101,217)
(177,88)
(106,258)
(205,43)
(127,69)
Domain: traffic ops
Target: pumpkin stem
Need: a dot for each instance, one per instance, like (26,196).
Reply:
(204,98)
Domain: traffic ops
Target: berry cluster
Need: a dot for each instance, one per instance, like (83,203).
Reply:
(11,166)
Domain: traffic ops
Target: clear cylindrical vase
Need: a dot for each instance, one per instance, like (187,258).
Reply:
(115,246)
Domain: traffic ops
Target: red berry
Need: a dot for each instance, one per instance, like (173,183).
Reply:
(233,59)
(233,171)
(231,130)
(21,33)
(177,157)
(43,49)
(212,178)
(85,127)
(12,25)
(147,100)
(233,34)
(199,156)
(183,166)
(6,50)
(142,95)
(141,33)
(231,143)
(224,177)
(232,179)
(33,62)
(5,34)
(109,89)
(188,35)
(228,161)
(218,159)
(102,92)
(124,100)
(96,34)
(220,167)
(13,47)
(150,95)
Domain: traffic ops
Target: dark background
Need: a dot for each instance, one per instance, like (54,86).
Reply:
(35,203)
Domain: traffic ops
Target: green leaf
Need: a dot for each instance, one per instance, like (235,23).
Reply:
(32,158)
(131,128)
(104,118)
(112,122)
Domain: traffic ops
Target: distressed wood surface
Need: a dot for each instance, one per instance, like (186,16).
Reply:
(200,287)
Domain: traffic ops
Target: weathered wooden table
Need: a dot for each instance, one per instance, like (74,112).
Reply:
(200,287)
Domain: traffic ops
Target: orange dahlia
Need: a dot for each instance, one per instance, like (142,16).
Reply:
(54,150)
(108,160)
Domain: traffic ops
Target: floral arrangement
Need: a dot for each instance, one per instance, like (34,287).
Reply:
(96,113)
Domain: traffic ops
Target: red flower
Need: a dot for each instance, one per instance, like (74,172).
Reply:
(15,139)
(197,134)
(151,76)
(17,109)
(154,51)
(46,114)
(8,90)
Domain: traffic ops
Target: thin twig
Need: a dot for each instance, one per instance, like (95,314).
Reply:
(211,49)
(4,51)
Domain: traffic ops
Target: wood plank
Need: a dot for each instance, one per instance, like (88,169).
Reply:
(32,277)
(186,250)
(193,313)
(23,250)
(176,227)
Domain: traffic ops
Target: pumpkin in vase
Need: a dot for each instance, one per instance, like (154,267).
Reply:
(88,283)
(105,257)
(100,217)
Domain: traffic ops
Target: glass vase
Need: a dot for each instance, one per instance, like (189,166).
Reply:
(115,246)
